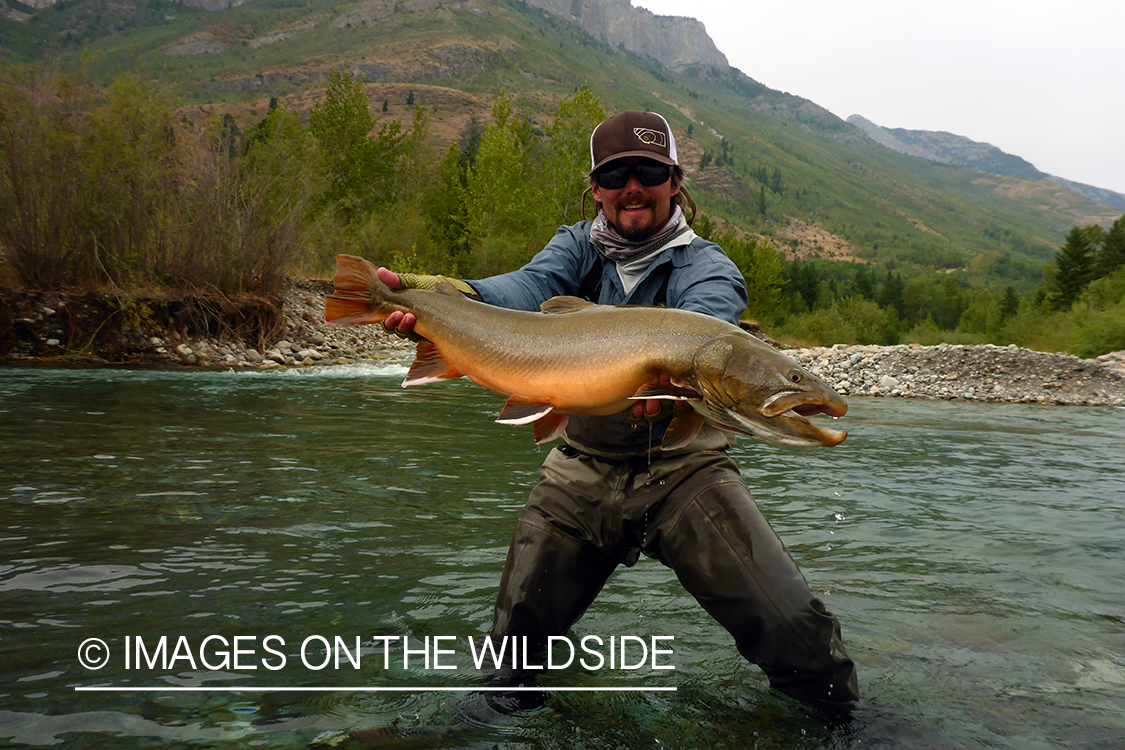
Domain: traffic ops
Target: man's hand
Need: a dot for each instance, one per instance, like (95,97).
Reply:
(398,321)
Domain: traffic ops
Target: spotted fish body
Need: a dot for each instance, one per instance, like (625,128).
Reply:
(575,357)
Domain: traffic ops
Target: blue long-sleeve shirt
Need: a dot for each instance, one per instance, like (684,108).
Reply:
(702,278)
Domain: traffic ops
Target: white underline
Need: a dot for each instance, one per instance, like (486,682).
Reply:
(297,689)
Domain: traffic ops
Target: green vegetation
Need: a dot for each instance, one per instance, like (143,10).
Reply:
(1079,307)
(105,181)
(781,157)
(118,191)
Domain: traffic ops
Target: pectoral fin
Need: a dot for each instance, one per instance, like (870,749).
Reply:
(656,390)
(547,423)
(429,367)
(519,410)
(682,431)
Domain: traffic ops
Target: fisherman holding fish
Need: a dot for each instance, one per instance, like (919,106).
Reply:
(611,491)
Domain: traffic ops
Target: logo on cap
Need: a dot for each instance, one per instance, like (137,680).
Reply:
(651,137)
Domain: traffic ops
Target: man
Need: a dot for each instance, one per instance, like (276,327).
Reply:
(609,493)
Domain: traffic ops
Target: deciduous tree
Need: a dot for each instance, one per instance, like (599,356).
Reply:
(362,167)
(503,193)
(567,164)
(763,269)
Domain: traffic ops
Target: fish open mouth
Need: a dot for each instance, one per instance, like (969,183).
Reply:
(788,429)
(787,420)
(823,435)
(804,404)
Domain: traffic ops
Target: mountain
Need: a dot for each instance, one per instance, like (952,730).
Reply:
(947,148)
(760,161)
(674,41)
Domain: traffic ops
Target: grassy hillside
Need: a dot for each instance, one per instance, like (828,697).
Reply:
(776,165)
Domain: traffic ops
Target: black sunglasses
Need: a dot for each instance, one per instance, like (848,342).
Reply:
(648,174)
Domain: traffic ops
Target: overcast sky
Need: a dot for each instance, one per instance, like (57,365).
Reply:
(1041,79)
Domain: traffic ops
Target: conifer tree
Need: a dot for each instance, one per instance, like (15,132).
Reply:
(1111,254)
(952,304)
(804,280)
(1009,304)
(865,283)
(1074,268)
(892,293)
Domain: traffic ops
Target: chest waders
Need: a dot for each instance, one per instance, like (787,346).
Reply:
(694,514)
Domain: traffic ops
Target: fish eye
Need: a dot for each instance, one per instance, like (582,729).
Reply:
(795,376)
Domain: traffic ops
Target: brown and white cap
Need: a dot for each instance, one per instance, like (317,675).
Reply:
(632,133)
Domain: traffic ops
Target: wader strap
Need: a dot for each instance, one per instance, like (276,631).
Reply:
(571,452)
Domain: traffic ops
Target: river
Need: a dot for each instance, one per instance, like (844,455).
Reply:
(229,538)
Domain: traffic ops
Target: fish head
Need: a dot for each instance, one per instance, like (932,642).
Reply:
(752,389)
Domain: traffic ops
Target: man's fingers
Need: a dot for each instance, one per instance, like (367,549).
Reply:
(389,277)
(400,323)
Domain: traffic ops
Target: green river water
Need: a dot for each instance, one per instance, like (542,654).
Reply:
(975,555)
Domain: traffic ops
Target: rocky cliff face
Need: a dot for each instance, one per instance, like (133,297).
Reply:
(211,5)
(374,11)
(11,13)
(674,41)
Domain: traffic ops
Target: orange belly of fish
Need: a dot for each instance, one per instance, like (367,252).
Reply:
(595,390)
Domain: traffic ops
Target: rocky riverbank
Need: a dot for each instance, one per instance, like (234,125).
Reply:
(973,373)
(305,340)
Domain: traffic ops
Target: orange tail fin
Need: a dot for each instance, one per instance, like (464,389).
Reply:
(351,302)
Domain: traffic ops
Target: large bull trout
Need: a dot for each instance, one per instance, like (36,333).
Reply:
(576,357)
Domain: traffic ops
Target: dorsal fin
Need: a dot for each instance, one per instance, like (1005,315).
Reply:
(565,305)
(444,287)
